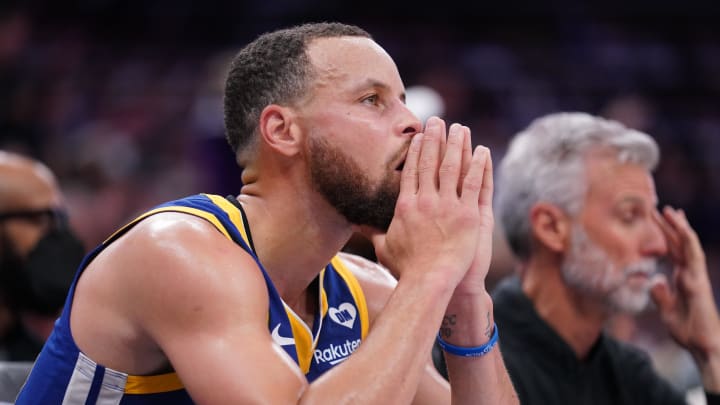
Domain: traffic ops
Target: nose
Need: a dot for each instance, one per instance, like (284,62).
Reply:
(654,243)
(408,123)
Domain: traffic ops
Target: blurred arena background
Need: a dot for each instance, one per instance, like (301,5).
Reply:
(123,99)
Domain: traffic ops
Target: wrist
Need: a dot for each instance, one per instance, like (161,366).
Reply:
(436,279)
(468,321)
(477,300)
(470,289)
(474,351)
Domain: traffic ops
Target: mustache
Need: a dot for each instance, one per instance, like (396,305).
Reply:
(647,267)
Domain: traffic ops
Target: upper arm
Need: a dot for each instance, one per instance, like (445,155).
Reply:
(378,285)
(204,302)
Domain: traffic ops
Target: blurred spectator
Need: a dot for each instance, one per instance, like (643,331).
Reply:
(38,256)
(578,205)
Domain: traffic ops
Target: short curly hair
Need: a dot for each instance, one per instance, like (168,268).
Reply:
(272,69)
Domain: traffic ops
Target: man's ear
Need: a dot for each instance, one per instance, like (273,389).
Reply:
(550,226)
(278,130)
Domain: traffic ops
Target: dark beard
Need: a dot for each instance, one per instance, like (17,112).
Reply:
(344,185)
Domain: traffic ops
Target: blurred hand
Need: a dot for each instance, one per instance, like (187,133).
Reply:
(687,307)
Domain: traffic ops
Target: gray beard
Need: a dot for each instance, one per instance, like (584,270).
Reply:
(589,270)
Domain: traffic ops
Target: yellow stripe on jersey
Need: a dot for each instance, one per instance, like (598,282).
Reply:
(152,384)
(176,208)
(303,340)
(323,297)
(356,292)
(233,212)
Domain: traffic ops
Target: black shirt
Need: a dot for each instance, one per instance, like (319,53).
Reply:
(19,345)
(545,370)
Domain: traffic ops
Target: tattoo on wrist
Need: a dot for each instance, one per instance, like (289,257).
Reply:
(447,325)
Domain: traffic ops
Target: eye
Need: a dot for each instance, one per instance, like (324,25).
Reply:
(631,215)
(372,99)
(628,217)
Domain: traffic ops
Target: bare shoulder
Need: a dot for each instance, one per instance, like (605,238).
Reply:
(376,281)
(176,250)
(172,274)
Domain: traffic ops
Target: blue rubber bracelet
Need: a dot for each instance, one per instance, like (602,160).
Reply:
(476,351)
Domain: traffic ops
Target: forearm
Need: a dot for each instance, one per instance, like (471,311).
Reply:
(469,322)
(388,365)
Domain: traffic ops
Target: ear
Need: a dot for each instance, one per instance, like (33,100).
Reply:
(550,226)
(277,129)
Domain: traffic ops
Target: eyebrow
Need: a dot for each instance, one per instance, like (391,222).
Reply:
(378,85)
(636,200)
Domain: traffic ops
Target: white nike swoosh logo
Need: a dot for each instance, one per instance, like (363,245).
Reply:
(281,340)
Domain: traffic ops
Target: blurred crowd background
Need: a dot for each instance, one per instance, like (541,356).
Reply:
(123,100)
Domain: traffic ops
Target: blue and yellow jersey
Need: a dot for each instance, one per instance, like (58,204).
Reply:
(64,375)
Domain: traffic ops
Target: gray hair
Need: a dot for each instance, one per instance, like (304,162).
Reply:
(546,162)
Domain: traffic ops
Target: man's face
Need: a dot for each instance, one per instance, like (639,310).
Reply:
(358,128)
(616,242)
(26,187)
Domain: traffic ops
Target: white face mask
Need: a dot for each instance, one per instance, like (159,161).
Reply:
(590,270)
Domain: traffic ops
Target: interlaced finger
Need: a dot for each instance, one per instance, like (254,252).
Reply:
(486,192)
(430,155)
(450,168)
(474,179)
(466,156)
(409,177)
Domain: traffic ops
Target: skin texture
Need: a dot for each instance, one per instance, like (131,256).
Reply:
(619,216)
(175,294)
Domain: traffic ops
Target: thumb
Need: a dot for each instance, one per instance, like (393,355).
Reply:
(661,294)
